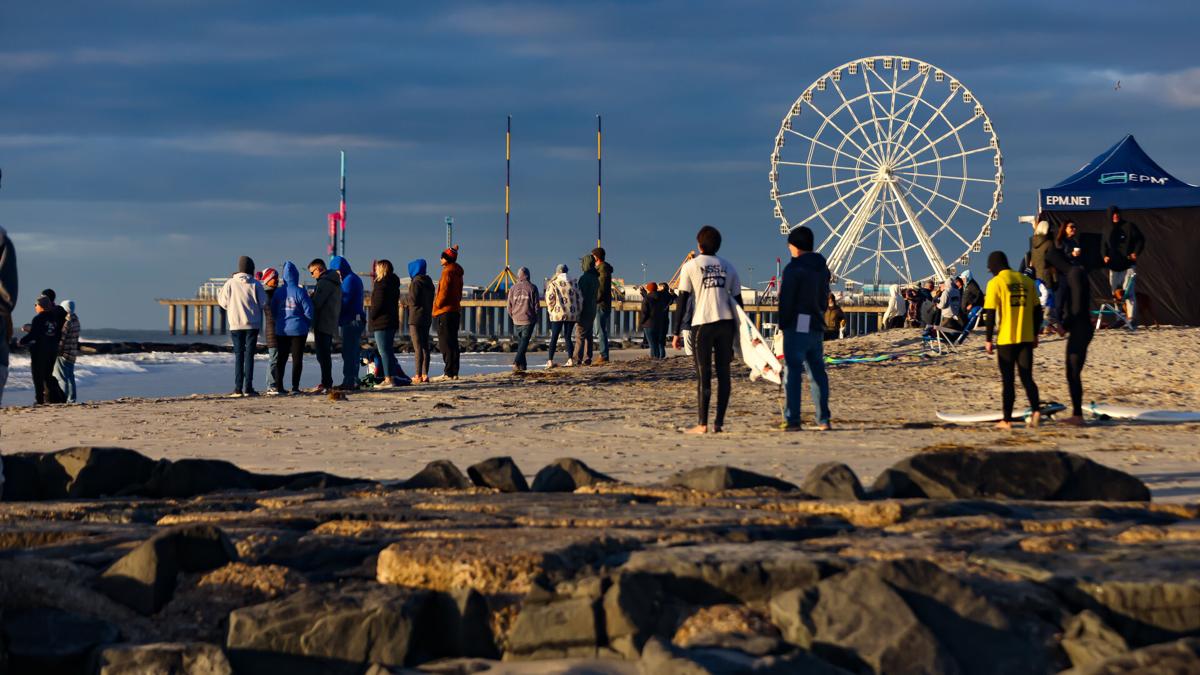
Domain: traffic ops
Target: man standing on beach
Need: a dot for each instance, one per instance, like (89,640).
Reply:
(327,309)
(589,289)
(604,301)
(447,310)
(802,297)
(523,308)
(43,340)
(8,300)
(269,278)
(1011,309)
(715,285)
(351,320)
(1123,243)
(243,299)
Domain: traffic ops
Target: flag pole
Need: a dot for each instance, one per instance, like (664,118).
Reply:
(599,176)
(505,279)
(342,210)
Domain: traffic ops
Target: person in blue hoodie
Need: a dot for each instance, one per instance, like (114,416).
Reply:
(293,312)
(420,315)
(351,320)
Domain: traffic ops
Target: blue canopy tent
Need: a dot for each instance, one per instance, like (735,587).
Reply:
(1165,209)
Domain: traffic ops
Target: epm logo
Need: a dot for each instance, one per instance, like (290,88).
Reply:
(1123,177)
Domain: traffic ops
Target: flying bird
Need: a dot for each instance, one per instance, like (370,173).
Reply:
(1117,86)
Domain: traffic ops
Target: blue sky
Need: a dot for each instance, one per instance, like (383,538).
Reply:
(147,144)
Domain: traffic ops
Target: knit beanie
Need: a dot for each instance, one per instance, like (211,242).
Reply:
(451,254)
(245,265)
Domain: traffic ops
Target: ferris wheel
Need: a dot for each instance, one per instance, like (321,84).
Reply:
(894,165)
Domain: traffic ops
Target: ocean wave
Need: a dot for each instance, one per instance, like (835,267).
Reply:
(91,366)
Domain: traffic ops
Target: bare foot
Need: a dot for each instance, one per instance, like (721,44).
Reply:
(1075,421)
(1004,424)
(824,427)
(698,429)
(1034,420)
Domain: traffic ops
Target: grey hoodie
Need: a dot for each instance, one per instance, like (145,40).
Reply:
(523,300)
(8,292)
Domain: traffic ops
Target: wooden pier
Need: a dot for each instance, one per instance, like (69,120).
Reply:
(488,318)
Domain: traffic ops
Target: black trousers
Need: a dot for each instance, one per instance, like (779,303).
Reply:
(41,366)
(323,342)
(447,330)
(420,341)
(714,343)
(1081,332)
(1020,358)
(289,345)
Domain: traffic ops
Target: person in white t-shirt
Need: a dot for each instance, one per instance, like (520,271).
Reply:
(713,285)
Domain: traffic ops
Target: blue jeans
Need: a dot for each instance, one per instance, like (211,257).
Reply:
(524,333)
(244,342)
(351,346)
(651,336)
(807,351)
(65,372)
(603,319)
(556,327)
(385,342)
(272,359)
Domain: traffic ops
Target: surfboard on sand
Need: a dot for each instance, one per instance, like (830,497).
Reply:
(1047,410)
(836,360)
(756,352)
(1126,412)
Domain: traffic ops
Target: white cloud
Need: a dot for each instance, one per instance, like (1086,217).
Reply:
(1180,88)
(250,142)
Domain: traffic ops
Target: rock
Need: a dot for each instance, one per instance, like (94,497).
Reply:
(1144,612)
(52,640)
(85,472)
(661,658)
(190,477)
(439,474)
(327,630)
(738,627)
(719,478)
(1019,474)
(464,625)
(567,475)
(144,579)
(556,627)
(498,473)
(1088,641)
(307,480)
(904,616)
(167,658)
(635,609)
(22,482)
(1181,657)
(832,481)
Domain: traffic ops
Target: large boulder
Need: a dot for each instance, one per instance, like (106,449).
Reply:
(1088,641)
(440,474)
(662,658)
(498,473)
(1181,657)
(174,658)
(53,641)
(1143,611)
(905,616)
(719,478)
(144,579)
(22,477)
(567,475)
(190,477)
(86,472)
(568,624)
(1019,474)
(832,481)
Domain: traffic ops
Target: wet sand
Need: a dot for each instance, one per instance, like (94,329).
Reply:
(626,418)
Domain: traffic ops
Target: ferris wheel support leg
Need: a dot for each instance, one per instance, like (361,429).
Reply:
(840,257)
(935,259)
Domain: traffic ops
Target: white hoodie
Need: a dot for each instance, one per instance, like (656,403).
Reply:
(244,300)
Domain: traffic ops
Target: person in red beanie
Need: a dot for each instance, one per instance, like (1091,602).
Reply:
(447,309)
(269,278)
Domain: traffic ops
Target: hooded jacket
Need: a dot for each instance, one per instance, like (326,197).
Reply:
(1041,243)
(804,289)
(449,289)
(352,292)
(68,345)
(243,298)
(972,295)
(589,287)
(1121,239)
(563,298)
(420,295)
(291,306)
(1075,303)
(523,300)
(951,301)
(604,292)
(8,292)
(45,334)
(327,303)
(269,318)
(385,303)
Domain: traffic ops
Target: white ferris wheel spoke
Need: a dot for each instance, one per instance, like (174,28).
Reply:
(830,122)
(931,253)
(935,193)
(938,175)
(908,121)
(953,132)
(873,103)
(932,116)
(840,257)
(853,179)
(836,230)
(841,201)
(838,167)
(857,122)
(945,157)
(892,112)
(810,139)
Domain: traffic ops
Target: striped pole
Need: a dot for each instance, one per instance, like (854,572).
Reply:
(342,210)
(599,176)
(507,183)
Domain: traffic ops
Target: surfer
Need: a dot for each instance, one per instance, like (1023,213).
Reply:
(802,297)
(715,285)
(1075,307)
(1011,311)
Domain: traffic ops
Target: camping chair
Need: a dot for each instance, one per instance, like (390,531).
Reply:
(1116,307)
(972,321)
(939,339)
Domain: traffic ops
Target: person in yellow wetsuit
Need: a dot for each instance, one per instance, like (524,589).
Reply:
(1012,312)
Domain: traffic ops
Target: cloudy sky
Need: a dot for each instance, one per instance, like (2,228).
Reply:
(146,144)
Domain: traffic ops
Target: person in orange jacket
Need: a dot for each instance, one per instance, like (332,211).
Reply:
(447,310)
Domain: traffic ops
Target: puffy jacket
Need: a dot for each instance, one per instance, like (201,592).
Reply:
(449,290)
(1038,247)
(352,292)
(604,292)
(804,289)
(8,292)
(243,299)
(589,287)
(420,295)
(1121,239)
(68,345)
(523,300)
(291,306)
(972,295)
(563,298)
(385,303)
(269,318)
(327,303)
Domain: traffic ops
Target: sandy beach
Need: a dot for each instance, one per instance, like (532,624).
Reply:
(625,418)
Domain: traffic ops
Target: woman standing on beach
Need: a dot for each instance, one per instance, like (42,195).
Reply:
(563,303)
(293,313)
(447,309)
(68,351)
(385,317)
(420,315)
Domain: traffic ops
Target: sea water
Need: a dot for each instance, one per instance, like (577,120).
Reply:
(101,377)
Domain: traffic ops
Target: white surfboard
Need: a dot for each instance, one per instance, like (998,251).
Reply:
(1126,412)
(756,352)
(995,416)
